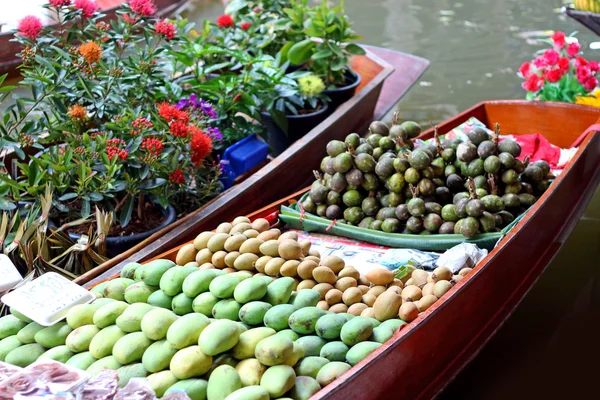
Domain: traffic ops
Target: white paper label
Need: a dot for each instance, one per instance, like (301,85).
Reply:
(47,299)
(9,275)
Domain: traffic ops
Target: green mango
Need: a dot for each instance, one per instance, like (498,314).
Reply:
(131,319)
(279,291)
(160,299)
(161,381)
(138,293)
(103,342)
(186,330)
(199,281)
(79,340)
(27,334)
(277,317)
(278,380)
(182,304)
(250,370)
(250,290)
(10,325)
(227,309)
(156,323)
(219,336)
(222,382)
(190,362)
(334,351)
(131,347)
(274,350)
(306,298)
(20,316)
(128,270)
(158,356)
(311,344)
(194,388)
(8,344)
(24,355)
(204,303)
(81,314)
(356,330)
(329,326)
(107,314)
(59,353)
(52,336)
(152,272)
(330,372)
(303,321)
(81,360)
(304,388)
(172,280)
(246,346)
(99,288)
(360,351)
(253,313)
(223,286)
(127,372)
(249,393)
(310,366)
(116,288)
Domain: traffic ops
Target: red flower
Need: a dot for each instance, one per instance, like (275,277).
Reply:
(154,146)
(165,28)
(551,56)
(540,62)
(590,84)
(171,113)
(30,27)
(130,20)
(553,75)
(87,7)
(559,40)
(143,7)
(533,83)
(245,26)
(594,66)
(580,62)
(583,74)
(573,49)
(200,145)
(225,21)
(258,10)
(177,177)
(59,3)
(525,69)
(179,129)
(563,63)
(237,97)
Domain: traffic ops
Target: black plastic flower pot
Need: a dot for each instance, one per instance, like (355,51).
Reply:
(342,94)
(116,245)
(298,126)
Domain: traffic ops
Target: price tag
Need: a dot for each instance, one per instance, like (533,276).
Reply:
(47,299)
(9,275)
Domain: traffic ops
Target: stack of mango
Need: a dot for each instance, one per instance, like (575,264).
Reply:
(236,335)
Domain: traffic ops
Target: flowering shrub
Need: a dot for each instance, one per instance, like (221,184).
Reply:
(559,73)
(103,108)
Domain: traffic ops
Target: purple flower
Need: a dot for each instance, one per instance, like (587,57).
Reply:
(208,109)
(214,133)
(198,103)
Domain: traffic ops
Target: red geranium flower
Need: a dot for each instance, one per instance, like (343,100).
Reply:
(553,75)
(143,7)
(540,62)
(59,3)
(583,74)
(551,57)
(179,129)
(154,146)
(594,66)
(177,177)
(590,84)
(245,26)
(87,7)
(165,28)
(200,145)
(171,113)
(559,40)
(580,62)
(30,27)
(533,84)
(225,21)
(563,63)
(525,69)
(573,49)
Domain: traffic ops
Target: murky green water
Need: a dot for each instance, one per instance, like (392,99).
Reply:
(475,48)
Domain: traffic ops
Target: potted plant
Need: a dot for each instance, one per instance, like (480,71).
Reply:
(326,51)
(109,136)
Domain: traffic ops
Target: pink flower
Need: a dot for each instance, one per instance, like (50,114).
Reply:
(580,62)
(551,57)
(525,69)
(87,7)
(553,75)
(59,3)
(130,20)
(245,26)
(165,28)
(225,21)
(563,63)
(583,74)
(573,49)
(143,7)
(533,84)
(540,62)
(559,40)
(590,84)
(594,66)
(30,27)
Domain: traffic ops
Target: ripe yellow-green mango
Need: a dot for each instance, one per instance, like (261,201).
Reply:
(161,381)
(108,362)
(186,330)
(293,336)
(194,388)
(204,303)
(27,334)
(249,393)
(253,313)
(219,336)
(182,304)
(311,344)
(250,370)
(131,347)
(297,354)
(131,319)
(279,291)
(116,288)
(103,342)
(160,299)
(277,317)
(99,288)
(52,336)
(172,280)
(249,290)
(10,325)
(360,351)
(81,314)
(274,350)
(199,281)
(329,326)
(222,382)
(79,340)
(304,388)
(331,371)
(59,353)
(306,298)
(102,302)
(356,330)
(190,362)
(223,286)
(138,293)
(381,334)
(156,323)
(227,309)
(334,351)
(128,270)
(139,272)
(158,356)
(393,324)
(154,270)
(278,379)
(108,314)
(20,316)
(310,366)
(303,321)
(81,360)
(248,340)
(127,372)
(24,355)
(8,344)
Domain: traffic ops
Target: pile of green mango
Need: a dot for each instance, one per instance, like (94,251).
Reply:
(383,182)
(214,335)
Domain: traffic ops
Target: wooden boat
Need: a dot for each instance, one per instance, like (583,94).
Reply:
(8,50)
(425,355)
(588,19)
(267,184)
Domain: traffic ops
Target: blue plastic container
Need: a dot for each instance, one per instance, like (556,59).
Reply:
(242,157)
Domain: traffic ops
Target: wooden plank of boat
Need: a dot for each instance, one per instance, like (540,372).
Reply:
(426,354)
(588,19)
(290,170)
(8,50)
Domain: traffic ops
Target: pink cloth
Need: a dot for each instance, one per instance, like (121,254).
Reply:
(538,147)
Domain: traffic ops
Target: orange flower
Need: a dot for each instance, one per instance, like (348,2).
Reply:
(77,113)
(90,51)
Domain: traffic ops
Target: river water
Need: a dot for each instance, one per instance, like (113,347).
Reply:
(548,346)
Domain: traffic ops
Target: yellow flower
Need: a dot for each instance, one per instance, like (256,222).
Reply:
(90,51)
(311,85)
(593,100)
